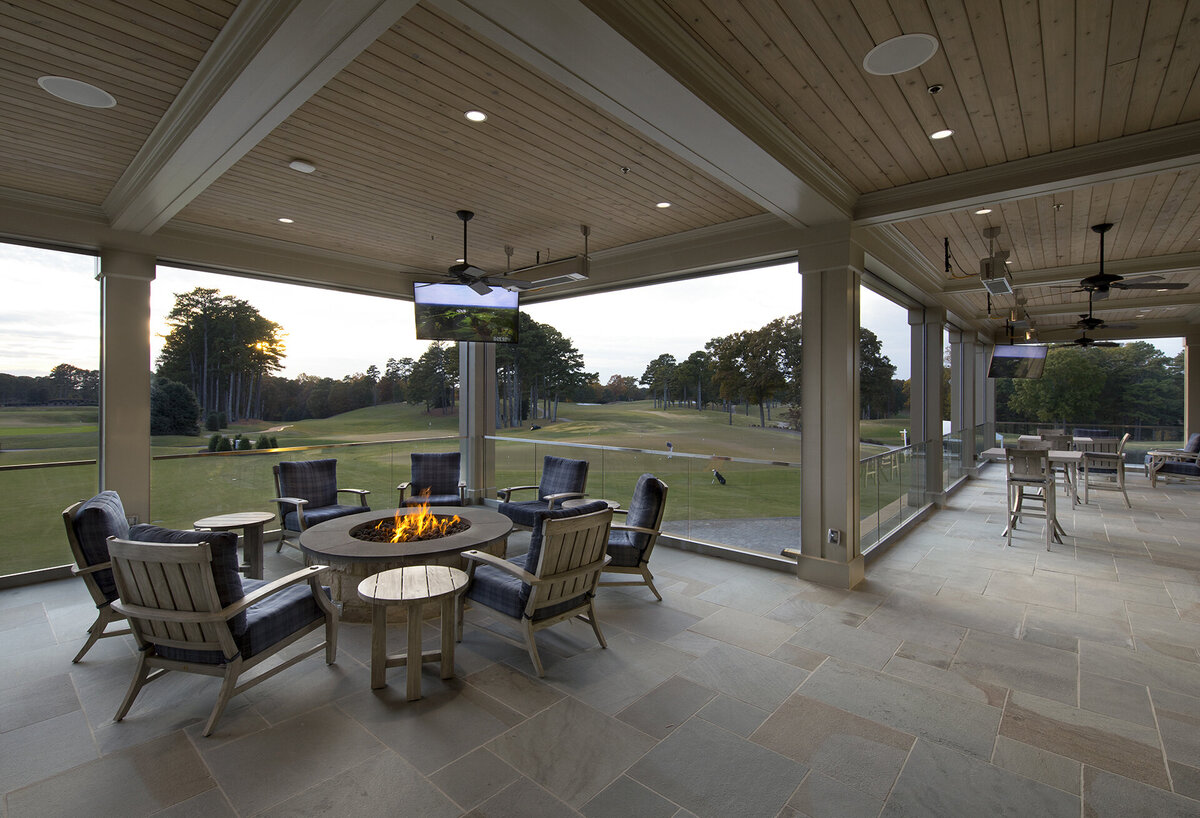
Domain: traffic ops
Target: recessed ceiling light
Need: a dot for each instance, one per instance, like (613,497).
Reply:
(476,116)
(460,261)
(302,166)
(663,204)
(77,91)
(900,54)
(942,134)
(286,220)
(1009,261)
(983,211)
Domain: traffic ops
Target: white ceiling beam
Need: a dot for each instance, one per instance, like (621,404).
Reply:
(268,59)
(757,157)
(1073,273)
(1142,154)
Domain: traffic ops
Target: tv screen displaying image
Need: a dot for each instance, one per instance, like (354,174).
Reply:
(1017,361)
(455,312)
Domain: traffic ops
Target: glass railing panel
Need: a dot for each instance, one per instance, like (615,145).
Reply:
(34,499)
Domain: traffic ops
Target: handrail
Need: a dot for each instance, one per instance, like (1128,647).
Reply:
(659,452)
(238,452)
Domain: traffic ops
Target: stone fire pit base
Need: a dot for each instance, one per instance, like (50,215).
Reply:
(354,560)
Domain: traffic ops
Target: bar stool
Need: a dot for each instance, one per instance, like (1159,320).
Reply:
(1031,480)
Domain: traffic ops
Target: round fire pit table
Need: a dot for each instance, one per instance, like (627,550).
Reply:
(352,560)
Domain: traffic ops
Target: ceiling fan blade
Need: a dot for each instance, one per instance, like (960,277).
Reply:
(479,286)
(1148,285)
(1105,344)
(1141,277)
(509,283)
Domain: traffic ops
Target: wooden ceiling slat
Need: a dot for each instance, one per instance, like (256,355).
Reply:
(1183,73)
(1158,42)
(1118,87)
(112,23)
(1091,37)
(1029,74)
(1058,54)
(1182,233)
(1133,194)
(1081,219)
(1155,216)
(988,27)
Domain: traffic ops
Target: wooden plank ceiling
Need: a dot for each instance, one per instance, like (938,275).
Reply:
(1019,80)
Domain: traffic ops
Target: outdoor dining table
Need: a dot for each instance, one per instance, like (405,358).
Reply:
(1068,460)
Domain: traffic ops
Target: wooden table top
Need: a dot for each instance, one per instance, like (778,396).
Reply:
(413,583)
(236,519)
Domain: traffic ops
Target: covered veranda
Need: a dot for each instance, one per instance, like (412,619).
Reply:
(1045,680)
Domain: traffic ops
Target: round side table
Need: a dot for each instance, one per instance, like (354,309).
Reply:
(251,523)
(412,586)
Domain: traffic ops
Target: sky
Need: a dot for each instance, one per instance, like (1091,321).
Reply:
(49,315)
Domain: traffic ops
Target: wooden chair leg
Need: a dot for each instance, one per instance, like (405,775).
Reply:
(103,617)
(650,582)
(595,623)
(531,646)
(140,677)
(228,683)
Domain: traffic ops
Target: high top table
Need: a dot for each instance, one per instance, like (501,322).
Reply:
(251,523)
(1068,460)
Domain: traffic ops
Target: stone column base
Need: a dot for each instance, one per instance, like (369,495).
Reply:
(834,573)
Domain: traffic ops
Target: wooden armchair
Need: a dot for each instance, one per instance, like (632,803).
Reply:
(1105,469)
(1178,464)
(189,611)
(631,543)
(562,479)
(307,494)
(555,580)
(89,525)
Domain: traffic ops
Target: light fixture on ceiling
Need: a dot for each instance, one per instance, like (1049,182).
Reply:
(900,54)
(286,220)
(983,211)
(476,116)
(77,92)
(663,205)
(942,134)
(302,166)
(991,269)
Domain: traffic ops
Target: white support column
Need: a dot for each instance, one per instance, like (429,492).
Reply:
(125,377)
(962,396)
(1191,384)
(928,327)
(985,402)
(829,499)
(477,418)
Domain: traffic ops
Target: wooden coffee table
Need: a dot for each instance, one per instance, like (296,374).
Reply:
(251,523)
(412,587)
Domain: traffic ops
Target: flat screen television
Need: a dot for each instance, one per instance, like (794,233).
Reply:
(455,312)
(1017,361)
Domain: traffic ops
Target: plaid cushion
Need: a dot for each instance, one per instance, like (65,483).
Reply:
(435,500)
(1193,444)
(312,516)
(223,547)
(437,472)
(95,521)
(312,480)
(623,550)
(268,622)
(648,498)
(560,474)
(535,539)
(523,513)
(1185,469)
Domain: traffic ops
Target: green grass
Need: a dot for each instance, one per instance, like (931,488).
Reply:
(185,489)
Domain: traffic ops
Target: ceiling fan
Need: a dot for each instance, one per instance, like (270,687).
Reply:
(479,280)
(1087,322)
(1102,283)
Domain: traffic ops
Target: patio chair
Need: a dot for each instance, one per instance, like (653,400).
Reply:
(89,525)
(1031,480)
(191,611)
(1104,469)
(630,544)
(555,580)
(562,479)
(434,480)
(307,494)
(1179,464)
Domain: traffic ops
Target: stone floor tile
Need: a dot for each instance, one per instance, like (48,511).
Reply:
(525,798)
(1094,739)
(625,798)
(863,647)
(572,750)
(1178,718)
(1116,698)
(820,796)
(947,680)
(1107,795)
(754,633)
(22,705)
(1019,665)
(712,772)
(44,748)
(1043,588)
(666,707)
(910,628)
(474,778)
(734,715)
(939,781)
(1050,768)
(1075,625)
(524,693)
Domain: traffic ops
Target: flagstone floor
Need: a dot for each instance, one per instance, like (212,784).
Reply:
(962,678)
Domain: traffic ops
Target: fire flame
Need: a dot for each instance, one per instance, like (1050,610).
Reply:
(420,525)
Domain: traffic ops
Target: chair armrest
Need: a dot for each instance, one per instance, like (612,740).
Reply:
(1177,456)
(504,494)
(91,569)
(641,529)
(293,501)
(503,564)
(273,587)
(362,494)
(551,499)
(403,489)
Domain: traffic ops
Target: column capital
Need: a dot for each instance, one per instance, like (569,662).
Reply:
(127,264)
(926,315)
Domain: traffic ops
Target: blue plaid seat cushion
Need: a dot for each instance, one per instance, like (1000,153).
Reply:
(624,551)
(438,473)
(508,594)
(434,500)
(561,474)
(222,545)
(312,516)
(312,480)
(95,521)
(523,513)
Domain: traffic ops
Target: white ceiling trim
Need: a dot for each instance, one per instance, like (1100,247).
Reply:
(1143,154)
(265,63)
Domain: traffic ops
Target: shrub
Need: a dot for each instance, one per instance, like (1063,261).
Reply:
(213,422)
(224,445)
(214,442)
